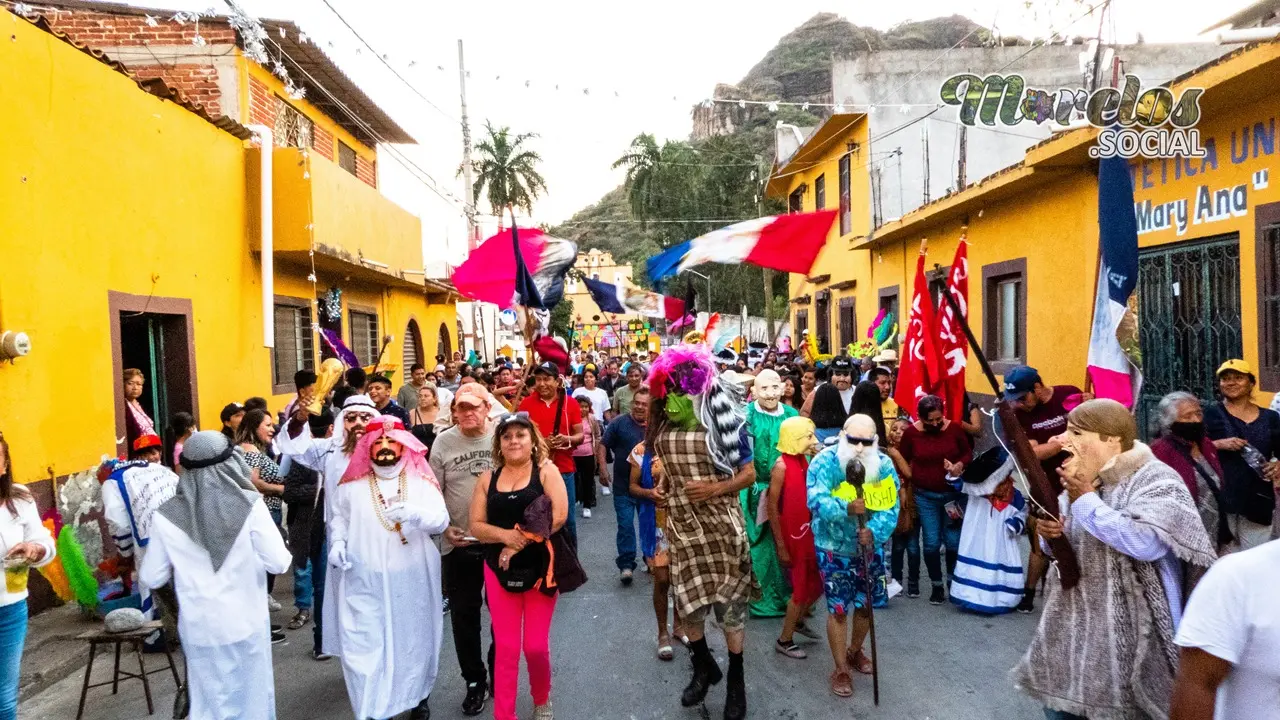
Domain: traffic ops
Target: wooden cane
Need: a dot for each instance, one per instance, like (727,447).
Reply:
(855,474)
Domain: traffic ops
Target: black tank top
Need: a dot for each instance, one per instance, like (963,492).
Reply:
(506,510)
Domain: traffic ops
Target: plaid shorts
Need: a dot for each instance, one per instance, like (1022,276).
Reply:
(730,616)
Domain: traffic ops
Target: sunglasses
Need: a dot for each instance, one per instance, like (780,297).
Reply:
(865,442)
(520,417)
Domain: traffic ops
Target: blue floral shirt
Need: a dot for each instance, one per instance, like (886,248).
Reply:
(833,528)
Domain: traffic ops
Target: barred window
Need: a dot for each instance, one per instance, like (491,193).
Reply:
(365,340)
(295,346)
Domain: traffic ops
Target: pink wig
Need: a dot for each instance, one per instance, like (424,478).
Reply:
(415,453)
(689,369)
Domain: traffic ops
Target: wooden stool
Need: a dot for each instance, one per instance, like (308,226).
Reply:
(135,638)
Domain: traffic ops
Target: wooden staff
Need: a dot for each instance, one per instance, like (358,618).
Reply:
(855,474)
(1042,492)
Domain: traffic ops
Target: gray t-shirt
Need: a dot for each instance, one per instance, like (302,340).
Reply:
(457,460)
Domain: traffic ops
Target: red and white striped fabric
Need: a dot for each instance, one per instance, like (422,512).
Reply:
(789,243)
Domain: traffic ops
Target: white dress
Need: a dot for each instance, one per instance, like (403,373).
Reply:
(388,604)
(988,577)
(225,627)
(130,497)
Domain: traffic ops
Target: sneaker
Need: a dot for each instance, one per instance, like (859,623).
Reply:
(937,597)
(474,702)
(1028,603)
(586,512)
(277,637)
(605,490)
(319,656)
(446,604)
(627,576)
(543,712)
(913,589)
(272,604)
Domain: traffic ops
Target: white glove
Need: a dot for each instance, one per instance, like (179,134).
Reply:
(409,517)
(338,556)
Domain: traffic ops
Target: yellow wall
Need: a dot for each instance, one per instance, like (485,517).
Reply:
(107,188)
(836,259)
(317,116)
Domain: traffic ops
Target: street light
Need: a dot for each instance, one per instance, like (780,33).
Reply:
(708,279)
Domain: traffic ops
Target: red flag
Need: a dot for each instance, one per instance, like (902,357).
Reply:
(953,344)
(920,369)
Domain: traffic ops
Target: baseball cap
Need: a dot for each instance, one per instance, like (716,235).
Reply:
(472,394)
(229,410)
(842,365)
(1020,381)
(146,442)
(1236,365)
(547,368)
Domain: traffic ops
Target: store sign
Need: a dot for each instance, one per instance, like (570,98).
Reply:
(1206,205)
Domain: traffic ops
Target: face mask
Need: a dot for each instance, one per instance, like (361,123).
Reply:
(680,411)
(1189,431)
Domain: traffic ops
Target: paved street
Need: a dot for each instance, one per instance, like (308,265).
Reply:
(937,663)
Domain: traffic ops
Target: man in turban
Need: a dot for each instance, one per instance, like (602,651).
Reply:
(215,539)
(850,528)
(387,572)
(328,456)
(765,415)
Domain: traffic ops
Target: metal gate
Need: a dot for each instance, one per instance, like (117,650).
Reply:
(1188,319)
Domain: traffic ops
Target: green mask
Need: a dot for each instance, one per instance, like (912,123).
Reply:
(680,411)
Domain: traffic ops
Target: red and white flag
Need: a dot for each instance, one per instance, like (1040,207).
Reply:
(953,343)
(920,371)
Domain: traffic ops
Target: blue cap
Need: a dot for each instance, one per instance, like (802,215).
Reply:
(1020,381)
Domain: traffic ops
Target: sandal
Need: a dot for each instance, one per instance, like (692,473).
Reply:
(860,662)
(301,618)
(665,652)
(790,649)
(806,631)
(841,684)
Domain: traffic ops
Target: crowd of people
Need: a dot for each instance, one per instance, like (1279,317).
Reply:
(745,486)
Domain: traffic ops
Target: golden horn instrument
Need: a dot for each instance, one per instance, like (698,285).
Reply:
(329,374)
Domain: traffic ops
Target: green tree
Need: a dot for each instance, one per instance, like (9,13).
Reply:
(642,161)
(508,170)
(562,321)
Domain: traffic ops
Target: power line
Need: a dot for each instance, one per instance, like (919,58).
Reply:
(383,60)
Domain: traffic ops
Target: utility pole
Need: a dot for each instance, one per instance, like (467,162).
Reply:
(924,141)
(964,156)
(762,176)
(473,231)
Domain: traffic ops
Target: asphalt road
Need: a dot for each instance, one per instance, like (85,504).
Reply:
(937,663)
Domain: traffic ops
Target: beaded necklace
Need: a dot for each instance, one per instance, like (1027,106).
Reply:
(379,503)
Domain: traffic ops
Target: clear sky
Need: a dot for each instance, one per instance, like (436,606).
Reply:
(642,67)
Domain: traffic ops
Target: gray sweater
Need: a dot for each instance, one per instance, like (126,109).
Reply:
(457,460)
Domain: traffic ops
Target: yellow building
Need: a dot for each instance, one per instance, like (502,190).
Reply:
(1209,243)
(131,236)
(829,170)
(592,326)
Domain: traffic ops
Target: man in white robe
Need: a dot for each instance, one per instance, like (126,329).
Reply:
(386,571)
(216,541)
(328,456)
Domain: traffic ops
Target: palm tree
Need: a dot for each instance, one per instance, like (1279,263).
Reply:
(642,161)
(508,170)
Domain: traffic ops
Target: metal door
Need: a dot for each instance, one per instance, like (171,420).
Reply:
(1188,319)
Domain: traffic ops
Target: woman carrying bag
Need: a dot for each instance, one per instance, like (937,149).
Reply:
(518,563)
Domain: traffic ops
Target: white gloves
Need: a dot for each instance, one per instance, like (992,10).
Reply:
(338,556)
(409,517)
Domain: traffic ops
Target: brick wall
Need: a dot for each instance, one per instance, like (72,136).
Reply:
(366,171)
(322,143)
(262,103)
(198,82)
(105,30)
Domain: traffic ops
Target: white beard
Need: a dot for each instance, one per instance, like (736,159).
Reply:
(847,452)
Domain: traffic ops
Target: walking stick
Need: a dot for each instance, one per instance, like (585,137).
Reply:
(855,474)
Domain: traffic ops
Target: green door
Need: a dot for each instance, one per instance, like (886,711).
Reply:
(1188,319)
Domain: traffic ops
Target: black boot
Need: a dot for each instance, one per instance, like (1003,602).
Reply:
(735,700)
(474,702)
(422,712)
(705,674)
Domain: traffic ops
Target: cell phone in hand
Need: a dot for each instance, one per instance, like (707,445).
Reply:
(468,538)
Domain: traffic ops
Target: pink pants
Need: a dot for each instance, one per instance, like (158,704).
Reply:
(508,612)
